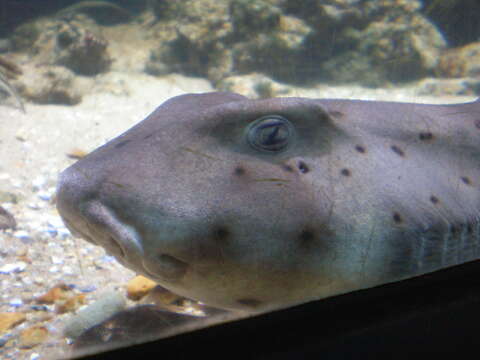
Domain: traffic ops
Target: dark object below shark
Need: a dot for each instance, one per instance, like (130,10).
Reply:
(428,315)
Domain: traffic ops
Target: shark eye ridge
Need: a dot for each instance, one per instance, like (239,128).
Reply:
(271,133)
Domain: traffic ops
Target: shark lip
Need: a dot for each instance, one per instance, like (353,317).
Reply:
(165,267)
(99,225)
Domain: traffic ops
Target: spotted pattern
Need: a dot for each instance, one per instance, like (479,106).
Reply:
(397,150)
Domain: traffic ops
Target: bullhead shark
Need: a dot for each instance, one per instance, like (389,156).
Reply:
(261,204)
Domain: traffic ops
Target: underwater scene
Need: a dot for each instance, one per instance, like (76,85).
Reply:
(325,146)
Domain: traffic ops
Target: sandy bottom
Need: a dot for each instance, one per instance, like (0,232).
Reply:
(33,150)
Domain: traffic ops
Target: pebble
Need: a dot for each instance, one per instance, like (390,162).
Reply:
(21,135)
(76,153)
(56,260)
(58,292)
(45,196)
(87,289)
(33,336)
(9,320)
(107,258)
(138,287)
(3,341)
(8,197)
(38,183)
(7,221)
(107,305)
(71,304)
(22,235)
(13,268)
(16,302)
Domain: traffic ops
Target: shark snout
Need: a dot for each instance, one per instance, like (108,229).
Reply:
(86,216)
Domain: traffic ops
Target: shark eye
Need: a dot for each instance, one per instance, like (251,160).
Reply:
(270,133)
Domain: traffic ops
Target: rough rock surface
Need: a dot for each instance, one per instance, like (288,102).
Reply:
(460,62)
(372,42)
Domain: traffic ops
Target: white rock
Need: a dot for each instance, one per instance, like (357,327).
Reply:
(38,183)
(22,234)
(16,302)
(56,260)
(13,268)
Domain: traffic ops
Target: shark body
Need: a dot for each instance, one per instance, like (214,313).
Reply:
(262,204)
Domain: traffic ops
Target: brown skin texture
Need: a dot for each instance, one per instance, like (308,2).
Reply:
(363,193)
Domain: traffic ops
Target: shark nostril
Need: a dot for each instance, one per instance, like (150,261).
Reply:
(165,266)
(114,247)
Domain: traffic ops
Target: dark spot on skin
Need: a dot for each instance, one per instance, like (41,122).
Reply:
(425,136)
(249,302)
(360,149)
(434,199)
(311,238)
(337,114)
(221,233)
(477,123)
(307,236)
(397,218)
(288,168)
(397,150)
(346,172)
(466,180)
(239,171)
(122,143)
(303,167)
(148,136)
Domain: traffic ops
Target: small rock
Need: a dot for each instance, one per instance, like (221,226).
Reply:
(22,235)
(8,197)
(21,135)
(59,292)
(76,153)
(7,221)
(13,268)
(71,304)
(57,260)
(88,288)
(3,341)
(460,62)
(161,297)
(166,299)
(45,196)
(15,302)
(38,183)
(33,336)
(138,287)
(9,320)
(108,305)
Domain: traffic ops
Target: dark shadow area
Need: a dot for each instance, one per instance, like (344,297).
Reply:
(457,20)
(431,314)
(16,12)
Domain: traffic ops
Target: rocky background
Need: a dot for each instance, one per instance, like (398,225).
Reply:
(74,74)
(373,43)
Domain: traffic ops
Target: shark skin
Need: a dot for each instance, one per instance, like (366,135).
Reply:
(255,205)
